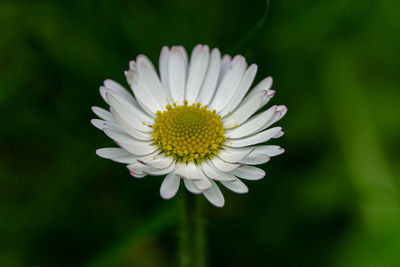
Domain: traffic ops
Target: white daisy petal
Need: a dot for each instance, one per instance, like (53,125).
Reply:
(225,63)
(274,118)
(224,166)
(230,154)
(211,172)
(163,67)
(130,129)
(277,115)
(229,83)
(241,90)
(260,137)
(197,71)
(245,111)
(236,186)
(102,125)
(214,195)
(177,69)
(112,152)
(103,114)
(146,109)
(158,162)
(132,64)
(283,110)
(267,97)
(188,171)
(138,175)
(133,106)
(210,81)
(264,85)
(140,121)
(115,88)
(116,154)
(279,134)
(113,85)
(249,172)
(131,144)
(204,183)
(139,168)
(136,169)
(191,186)
(149,76)
(270,150)
(144,159)
(255,124)
(143,95)
(255,159)
(154,171)
(169,186)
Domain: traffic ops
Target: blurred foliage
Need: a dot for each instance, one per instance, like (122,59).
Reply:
(331,200)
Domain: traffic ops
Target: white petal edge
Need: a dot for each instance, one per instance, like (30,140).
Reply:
(241,90)
(214,195)
(169,186)
(270,150)
(139,167)
(116,154)
(209,86)
(213,173)
(148,74)
(157,161)
(253,125)
(191,187)
(130,114)
(103,114)
(233,155)
(255,159)
(236,186)
(115,88)
(188,171)
(229,83)
(249,172)
(103,125)
(131,144)
(163,67)
(197,71)
(260,137)
(134,132)
(143,95)
(225,63)
(222,165)
(204,183)
(244,111)
(177,72)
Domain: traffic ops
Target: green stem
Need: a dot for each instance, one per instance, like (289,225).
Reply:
(199,233)
(192,247)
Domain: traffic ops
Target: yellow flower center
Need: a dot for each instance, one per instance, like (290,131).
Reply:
(188,133)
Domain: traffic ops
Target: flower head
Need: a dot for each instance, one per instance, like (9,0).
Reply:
(195,122)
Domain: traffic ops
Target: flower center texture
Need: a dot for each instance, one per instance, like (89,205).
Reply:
(188,133)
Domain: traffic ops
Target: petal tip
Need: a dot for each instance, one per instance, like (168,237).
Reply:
(271,93)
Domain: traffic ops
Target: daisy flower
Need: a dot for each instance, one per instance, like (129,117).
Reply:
(194,122)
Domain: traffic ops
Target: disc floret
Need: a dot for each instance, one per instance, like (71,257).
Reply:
(188,132)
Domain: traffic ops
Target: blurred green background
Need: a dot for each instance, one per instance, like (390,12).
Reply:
(331,200)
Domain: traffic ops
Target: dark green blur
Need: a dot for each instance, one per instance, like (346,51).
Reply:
(331,200)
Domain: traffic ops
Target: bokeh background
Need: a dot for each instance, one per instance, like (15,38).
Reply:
(331,200)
